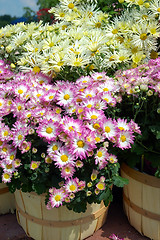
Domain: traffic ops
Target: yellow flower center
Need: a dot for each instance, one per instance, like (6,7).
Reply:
(38,95)
(67,169)
(93,176)
(143,36)
(28,115)
(12,156)
(96,126)
(62,14)
(70,5)
(6,176)
(54,148)
(153,31)
(20,91)
(79,100)
(48,160)
(158,10)
(57,198)
(0,104)
(122,58)
(111,160)
(51,44)
(80,144)
(106,99)
(89,105)
(72,187)
(140,2)
(144,16)
(105,89)
(97,139)
(41,82)
(34,165)
(121,128)
(66,96)
(58,110)
(123,138)
(98,25)
(64,27)
(88,95)
(93,117)
(100,186)
(107,129)
(64,158)
(36,69)
(153,54)
(19,108)
(20,137)
(71,128)
(49,130)
(9,166)
(5,133)
(4,149)
(114,31)
(99,154)
(80,110)
(50,97)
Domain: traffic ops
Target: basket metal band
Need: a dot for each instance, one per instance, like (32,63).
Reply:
(4,190)
(62,224)
(141,211)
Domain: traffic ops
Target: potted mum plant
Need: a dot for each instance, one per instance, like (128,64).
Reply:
(140,89)
(83,39)
(57,147)
(7,202)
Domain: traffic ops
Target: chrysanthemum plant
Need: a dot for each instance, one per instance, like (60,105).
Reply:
(60,139)
(140,91)
(83,39)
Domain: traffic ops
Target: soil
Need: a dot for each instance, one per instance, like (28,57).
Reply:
(116,223)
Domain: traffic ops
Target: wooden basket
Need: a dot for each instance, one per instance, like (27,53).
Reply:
(42,224)
(7,201)
(141,200)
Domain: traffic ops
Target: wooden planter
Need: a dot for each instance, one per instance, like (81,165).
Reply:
(141,200)
(7,201)
(42,224)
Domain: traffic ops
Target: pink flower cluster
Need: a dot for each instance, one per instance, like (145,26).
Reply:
(71,118)
(5,72)
(144,78)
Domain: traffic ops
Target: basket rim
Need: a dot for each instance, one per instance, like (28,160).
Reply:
(140,176)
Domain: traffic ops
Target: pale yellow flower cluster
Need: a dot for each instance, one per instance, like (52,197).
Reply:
(82,36)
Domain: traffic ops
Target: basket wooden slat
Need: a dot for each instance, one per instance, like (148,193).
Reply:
(141,199)
(7,201)
(42,224)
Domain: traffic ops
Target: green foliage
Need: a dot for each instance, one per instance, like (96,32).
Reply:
(47,3)
(6,19)
(29,14)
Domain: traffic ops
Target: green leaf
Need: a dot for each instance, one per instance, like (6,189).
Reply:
(39,188)
(105,195)
(158,134)
(119,181)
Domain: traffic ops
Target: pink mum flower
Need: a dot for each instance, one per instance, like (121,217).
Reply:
(57,196)
(71,185)
(125,139)
(67,171)
(6,177)
(109,128)
(63,157)
(48,130)
(80,146)
(65,96)
(34,165)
